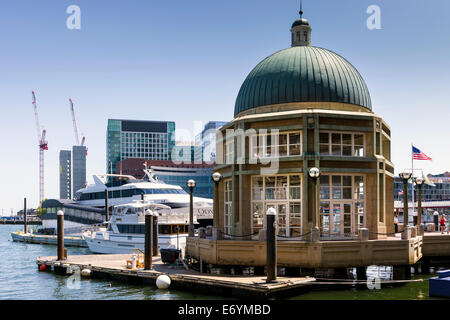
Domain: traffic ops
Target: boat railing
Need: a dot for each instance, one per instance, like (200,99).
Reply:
(75,230)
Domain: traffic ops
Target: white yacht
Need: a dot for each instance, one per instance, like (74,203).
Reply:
(126,230)
(127,189)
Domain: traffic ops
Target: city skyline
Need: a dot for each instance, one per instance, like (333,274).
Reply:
(131,61)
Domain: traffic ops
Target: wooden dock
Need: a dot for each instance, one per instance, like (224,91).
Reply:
(69,241)
(239,286)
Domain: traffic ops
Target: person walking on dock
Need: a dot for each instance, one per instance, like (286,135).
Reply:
(442,223)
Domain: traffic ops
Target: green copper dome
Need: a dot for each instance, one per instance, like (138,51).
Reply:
(302,74)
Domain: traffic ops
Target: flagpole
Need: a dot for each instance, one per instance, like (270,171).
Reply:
(412,177)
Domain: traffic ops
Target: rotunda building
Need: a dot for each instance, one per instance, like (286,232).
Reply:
(301,108)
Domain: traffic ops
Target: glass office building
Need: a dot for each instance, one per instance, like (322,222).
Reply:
(126,139)
(207,141)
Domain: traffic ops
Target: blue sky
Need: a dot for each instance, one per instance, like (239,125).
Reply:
(185,61)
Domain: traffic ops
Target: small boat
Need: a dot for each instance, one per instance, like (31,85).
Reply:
(126,229)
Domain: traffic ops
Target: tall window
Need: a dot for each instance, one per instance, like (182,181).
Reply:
(229,151)
(282,192)
(228,203)
(341,205)
(270,146)
(342,144)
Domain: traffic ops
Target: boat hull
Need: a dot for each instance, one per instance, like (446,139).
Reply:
(125,244)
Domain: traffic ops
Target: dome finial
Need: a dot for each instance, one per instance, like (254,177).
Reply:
(301,30)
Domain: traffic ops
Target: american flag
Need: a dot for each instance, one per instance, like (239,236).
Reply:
(419,155)
(400,193)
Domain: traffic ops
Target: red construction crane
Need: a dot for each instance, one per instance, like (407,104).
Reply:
(43,145)
(74,121)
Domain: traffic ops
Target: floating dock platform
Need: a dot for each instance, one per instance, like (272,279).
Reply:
(114,266)
(440,285)
(75,241)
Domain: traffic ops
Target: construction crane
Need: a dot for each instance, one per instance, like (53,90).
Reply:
(74,121)
(43,145)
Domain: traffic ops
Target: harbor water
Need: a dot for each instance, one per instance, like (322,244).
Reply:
(20,279)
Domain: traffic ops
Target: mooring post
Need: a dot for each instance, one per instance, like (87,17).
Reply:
(155,235)
(25,215)
(148,240)
(106,205)
(60,232)
(271,243)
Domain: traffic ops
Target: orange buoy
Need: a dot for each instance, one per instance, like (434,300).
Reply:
(42,267)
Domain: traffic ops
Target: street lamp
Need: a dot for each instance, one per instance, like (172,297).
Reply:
(191,186)
(216,178)
(405,177)
(314,174)
(419,183)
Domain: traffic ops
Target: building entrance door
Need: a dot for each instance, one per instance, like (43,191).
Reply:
(336,220)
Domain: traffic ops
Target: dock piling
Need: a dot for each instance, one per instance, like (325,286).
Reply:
(271,241)
(60,231)
(148,241)
(25,215)
(155,235)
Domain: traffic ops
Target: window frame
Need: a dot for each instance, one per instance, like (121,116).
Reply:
(287,201)
(261,150)
(342,145)
(228,206)
(353,200)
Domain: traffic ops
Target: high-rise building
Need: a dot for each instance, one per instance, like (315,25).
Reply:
(153,140)
(207,140)
(65,174)
(78,167)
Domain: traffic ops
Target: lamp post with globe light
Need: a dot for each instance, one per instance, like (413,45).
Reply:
(216,178)
(419,183)
(405,177)
(314,174)
(191,186)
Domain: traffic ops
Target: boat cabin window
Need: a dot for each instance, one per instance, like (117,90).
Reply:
(131,211)
(125,193)
(164,191)
(118,211)
(131,228)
